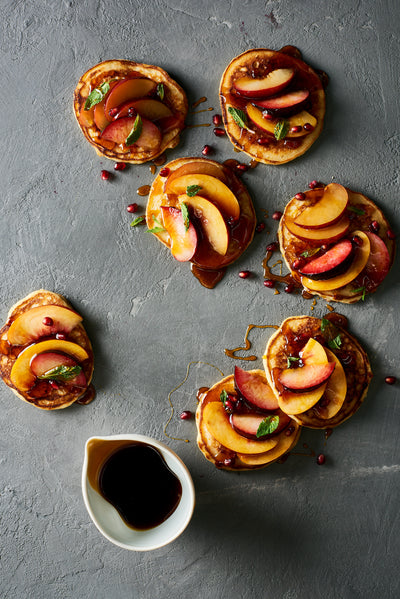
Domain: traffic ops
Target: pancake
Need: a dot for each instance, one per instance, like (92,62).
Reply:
(111,70)
(254,140)
(258,453)
(360,213)
(43,395)
(207,264)
(291,338)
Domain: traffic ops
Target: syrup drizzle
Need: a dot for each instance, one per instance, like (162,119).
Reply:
(144,190)
(88,396)
(200,101)
(247,345)
(202,110)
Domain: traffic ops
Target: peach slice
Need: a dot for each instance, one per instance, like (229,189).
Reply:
(150,109)
(285,443)
(335,391)
(290,101)
(211,219)
(86,117)
(246,424)
(48,361)
(211,188)
(128,89)
(377,266)
(21,375)
(337,259)
(119,130)
(183,242)
(29,325)
(273,83)
(255,390)
(197,168)
(361,255)
(217,423)
(308,378)
(297,120)
(327,211)
(319,236)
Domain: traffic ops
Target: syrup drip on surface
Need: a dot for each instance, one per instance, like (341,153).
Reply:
(327,433)
(203,110)
(88,396)
(231,352)
(144,190)
(208,278)
(153,169)
(313,304)
(309,454)
(199,125)
(330,308)
(160,160)
(268,274)
(198,102)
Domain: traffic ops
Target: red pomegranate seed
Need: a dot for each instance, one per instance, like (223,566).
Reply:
(53,384)
(229,462)
(295,129)
(61,336)
(260,227)
(132,208)
(390,380)
(390,234)
(217,120)
(374,226)
(313,184)
(113,112)
(263,141)
(289,431)
(207,150)
(321,459)
(308,127)
(277,215)
(186,415)
(244,274)
(357,240)
(269,283)
(131,111)
(119,166)
(219,132)
(298,263)
(300,196)
(272,247)
(267,115)
(105,175)
(292,143)
(289,288)
(47,321)
(242,168)
(164,172)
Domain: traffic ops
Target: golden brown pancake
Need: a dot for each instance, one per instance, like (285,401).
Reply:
(257,143)
(291,338)
(223,457)
(54,399)
(110,70)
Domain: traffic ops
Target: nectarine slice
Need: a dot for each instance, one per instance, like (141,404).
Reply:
(148,108)
(183,238)
(330,264)
(308,378)
(319,236)
(273,83)
(118,131)
(327,211)
(297,120)
(285,443)
(29,325)
(255,389)
(197,168)
(43,364)
(247,424)
(335,391)
(211,220)
(378,264)
(291,100)
(128,89)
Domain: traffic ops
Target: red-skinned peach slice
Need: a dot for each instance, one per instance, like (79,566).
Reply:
(308,378)
(361,255)
(196,168)
(217,423)
(101,117)
(183,242)
(327,211)
(119,130)
(47,361)
(21,375)
(319,236)
(332,263)
(247,424)
(148,108)
(255,390)
(209,187)
(297,120)
(128,89)
(377,266)
(212,222)
(168,123)
(29,325)
(335,391)
(291,100)
(273,83)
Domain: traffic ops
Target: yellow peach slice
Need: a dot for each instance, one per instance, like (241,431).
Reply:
(209,187)
(336,389)
(297,120)
(285,443)
(201,167)
(328,234)
(21,375)
(29,325)
(211,219)
(327,210)
(361,255)
(216,421)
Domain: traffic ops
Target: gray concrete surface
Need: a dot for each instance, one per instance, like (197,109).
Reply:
(292,531)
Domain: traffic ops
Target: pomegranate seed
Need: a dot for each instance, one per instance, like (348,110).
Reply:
(132,208)
(357,240)
(269,283)
(53,384)
(277,215)
(321,459)
(113,112)
(47,321)
(295,129)
(244,274)
(289,431)
(289,288)
(263,141)
(131,111)
(308,127)
(298,263)
(219,132)
(292,143)
(324,247)
(186,415)
(207,150)
(217,120)
(242,168)
(313,184)
(61,336)
(272,247)
(390,234)
(120,166)
(390,380)
(267,115)
(260,227)
(164,172)
(105,175)
(300,196)
(231,221)
(229,405)
(374,226)
(229,462)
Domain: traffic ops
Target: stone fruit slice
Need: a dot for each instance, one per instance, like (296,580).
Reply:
(377,266)
(291,100)
(255,389)
(48,362)
(247,425)
(361,255)
(118,131)
(210,187)
(308,378)
(21,375)
(29,325)
(297,120)
(319,236)
(148,108)
(203,167)
(183,241)
(285,444)
(335,391)
(211,220)
(217,422)
(327,211)
(330,264)
(128,89)
(273,83)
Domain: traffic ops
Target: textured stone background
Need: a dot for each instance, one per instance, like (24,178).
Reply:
(292,531)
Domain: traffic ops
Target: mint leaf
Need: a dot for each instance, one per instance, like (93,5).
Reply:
(160,91)
(291,359)
(309,253)
(136,131)
(223,396)
(356,210)
(185,215)
(239,116)
(335,343)
(61,373)
(325,323)
(97,95)
(268,426)
(359,290)
(139,220)
(192,190)
(281,129)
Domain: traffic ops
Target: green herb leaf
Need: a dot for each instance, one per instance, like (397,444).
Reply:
(160,91)
(291,359)
(139,220)
(309,253)
(185,215)
(335,343)
(192,190)
(359,290)
(97,95)
(223,396)
(268,426)
(61,373)
(281,129)
(136,131)
(325,323)
(239,116)
(356,210)
(158,229)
